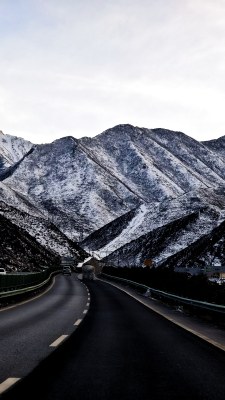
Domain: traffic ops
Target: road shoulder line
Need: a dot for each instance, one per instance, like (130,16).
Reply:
(78,321)
(5,385)
(58,341)
(31,299)
(195,332)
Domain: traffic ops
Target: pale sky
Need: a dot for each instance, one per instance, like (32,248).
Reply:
(79,67)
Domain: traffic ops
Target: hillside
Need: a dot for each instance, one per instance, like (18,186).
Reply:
(20,251)
(113,192)
(84,184)
(12,150)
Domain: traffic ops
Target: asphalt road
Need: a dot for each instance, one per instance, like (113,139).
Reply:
(123,350)
(27,330)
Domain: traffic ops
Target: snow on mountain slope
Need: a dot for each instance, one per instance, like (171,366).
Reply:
(217,146)
(101,237)
(117,150)
(20,201)
(20,251)
(151,244)
(77,192)
(205,253)
(148,178)
(136,239)
(203,225)
(156,163)
(84,184)
(12,150)
(44,232)
(146,218)
(201,162)
(165,241)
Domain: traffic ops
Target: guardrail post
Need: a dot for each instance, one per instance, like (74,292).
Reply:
(148,293)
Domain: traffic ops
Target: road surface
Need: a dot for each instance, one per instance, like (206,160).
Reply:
(123,351)
(28,330)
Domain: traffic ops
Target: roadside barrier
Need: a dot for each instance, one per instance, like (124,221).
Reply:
(169,297)
(16,284)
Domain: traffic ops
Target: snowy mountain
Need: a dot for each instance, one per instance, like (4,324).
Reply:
(20,251)
(19,214)
(12,150)
(78,193)
(118,189)
(161,231)
(32,240)
(84,184)
(43,231)
(217,146)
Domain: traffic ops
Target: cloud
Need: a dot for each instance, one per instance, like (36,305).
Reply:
(81,67)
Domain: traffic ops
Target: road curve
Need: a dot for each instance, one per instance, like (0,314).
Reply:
(124,351)
(27,330)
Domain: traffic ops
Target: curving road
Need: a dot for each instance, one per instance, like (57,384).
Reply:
(27,330)
(124,351)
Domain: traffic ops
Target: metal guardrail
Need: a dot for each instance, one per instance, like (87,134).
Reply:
(15,284)
(178,299)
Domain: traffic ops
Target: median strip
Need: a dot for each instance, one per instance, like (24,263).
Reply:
(58,341)
(7,384)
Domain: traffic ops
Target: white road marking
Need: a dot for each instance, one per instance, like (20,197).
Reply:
(7,383)
(29,300)
(78,322)
(85,311)
(174,321)
(58,341)
(88,304)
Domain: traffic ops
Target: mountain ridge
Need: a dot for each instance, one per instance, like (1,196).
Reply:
(143,179)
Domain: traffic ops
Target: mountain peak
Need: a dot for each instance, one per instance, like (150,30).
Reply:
(83,184)
(12,150)
(121,128)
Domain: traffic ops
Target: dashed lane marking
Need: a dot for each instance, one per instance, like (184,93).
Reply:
(7,384)
(78,322)
(85,311)
(88,304)
(58,341)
